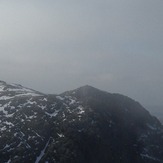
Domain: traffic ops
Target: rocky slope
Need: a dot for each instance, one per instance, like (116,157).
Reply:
(85,125)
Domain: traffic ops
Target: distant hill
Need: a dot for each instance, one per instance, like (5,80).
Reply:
(85,125)
(156,110)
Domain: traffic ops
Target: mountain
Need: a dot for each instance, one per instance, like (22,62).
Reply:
(85,125)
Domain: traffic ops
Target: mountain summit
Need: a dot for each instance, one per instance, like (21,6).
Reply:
(85,125)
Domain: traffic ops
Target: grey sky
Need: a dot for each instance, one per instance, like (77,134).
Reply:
(53,46)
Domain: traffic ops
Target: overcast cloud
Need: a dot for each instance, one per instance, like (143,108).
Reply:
(114,45)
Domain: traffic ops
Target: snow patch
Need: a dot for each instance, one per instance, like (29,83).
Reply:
(8,123)
(3,128)
(151,127)
(150,157)
(42,153)
(6,146)
(5,98)
(42,107)
(60,135)
(2,108)
(9,161)
(72,102)
(1,88)
(52,114)
(81,110)
(45,99)
(59,98)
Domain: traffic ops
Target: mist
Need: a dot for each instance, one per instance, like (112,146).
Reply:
(53,46)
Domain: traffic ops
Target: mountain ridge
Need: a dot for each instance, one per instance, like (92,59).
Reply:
(81,125)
